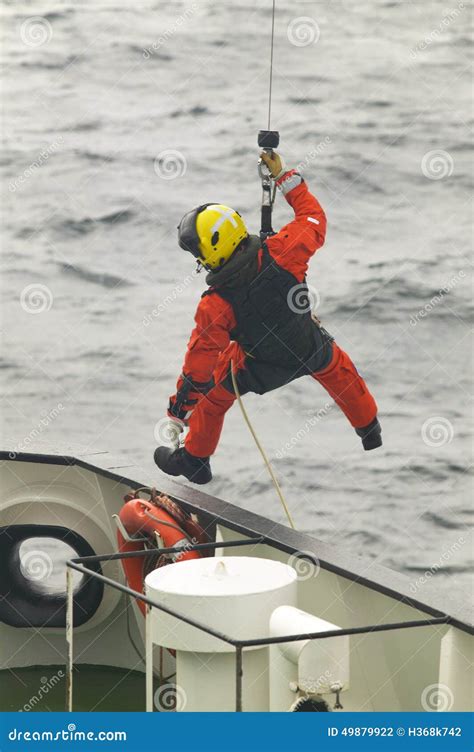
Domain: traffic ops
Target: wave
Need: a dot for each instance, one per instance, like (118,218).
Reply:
(384,296)
(196,111)
(88,125)
(135,49)
(379,103)
(304,100)
(49,64)
(94,157)
(97,354)
(52,15)
(98,278)
(55,15)
(440,521)
(438,570)
(88,224)
(363,538)
(8,365)
(354,177)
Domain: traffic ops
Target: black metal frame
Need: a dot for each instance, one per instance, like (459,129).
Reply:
(239,645)
(212,510)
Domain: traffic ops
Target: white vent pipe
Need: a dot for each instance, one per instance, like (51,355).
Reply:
(306,667)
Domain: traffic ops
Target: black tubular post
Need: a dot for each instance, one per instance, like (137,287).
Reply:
(239,672)
(238,645)
(150,602)
(266,221)
(349,631)
(266,228)
(171,550)
(259,642)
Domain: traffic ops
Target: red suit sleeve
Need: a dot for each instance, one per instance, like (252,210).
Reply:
(293,246)
(214,321)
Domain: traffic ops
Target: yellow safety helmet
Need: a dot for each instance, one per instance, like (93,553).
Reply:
(211,232)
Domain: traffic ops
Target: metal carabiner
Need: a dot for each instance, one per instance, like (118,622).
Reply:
(263,170)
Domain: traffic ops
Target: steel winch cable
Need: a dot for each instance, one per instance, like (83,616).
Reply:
(271,65)
(265,205)
(260,448)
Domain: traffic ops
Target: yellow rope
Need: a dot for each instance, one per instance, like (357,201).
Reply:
(260,447)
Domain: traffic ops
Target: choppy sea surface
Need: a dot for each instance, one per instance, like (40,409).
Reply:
(118,117)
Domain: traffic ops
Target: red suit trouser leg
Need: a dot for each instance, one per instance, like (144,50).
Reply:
(348,389)
(340,379)
(207,418)
(206,421)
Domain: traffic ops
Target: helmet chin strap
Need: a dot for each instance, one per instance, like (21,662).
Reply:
(200,265)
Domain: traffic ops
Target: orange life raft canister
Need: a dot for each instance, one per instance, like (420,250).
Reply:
(146,518)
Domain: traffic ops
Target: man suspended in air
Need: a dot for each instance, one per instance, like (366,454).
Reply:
(248,317)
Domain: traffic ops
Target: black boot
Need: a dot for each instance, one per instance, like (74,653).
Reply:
(371,435)
(180,462)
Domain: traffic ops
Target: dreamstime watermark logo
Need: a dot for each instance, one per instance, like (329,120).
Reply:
(436,299)
(305,564)
(36,565)
(302,298)
(438,697)
(36,432)
(71,734)
(435,34)
(322,684)
(303,31)
(303,431)
(185,546)
(429,573)
(165,432)
(170,164)
(313,153)
(47,684)
(36,298)
(170,299)
(437,431)
(170,697)
(40,160)
(168,33)
(437,164)
(36,31)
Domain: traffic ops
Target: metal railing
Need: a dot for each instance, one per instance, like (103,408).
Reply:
(78,564)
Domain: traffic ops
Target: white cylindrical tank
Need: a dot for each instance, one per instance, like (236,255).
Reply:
(235,595)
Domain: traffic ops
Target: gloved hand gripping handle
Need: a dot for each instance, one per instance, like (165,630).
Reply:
(186,398)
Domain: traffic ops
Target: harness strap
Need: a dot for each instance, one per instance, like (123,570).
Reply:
(180,407)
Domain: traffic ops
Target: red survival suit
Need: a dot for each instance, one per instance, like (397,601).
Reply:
(256,314)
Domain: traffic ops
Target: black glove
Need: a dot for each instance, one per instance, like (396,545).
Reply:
(183,403)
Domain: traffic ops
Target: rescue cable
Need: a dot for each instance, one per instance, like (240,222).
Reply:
(271,66)
(268,140)
(260,447)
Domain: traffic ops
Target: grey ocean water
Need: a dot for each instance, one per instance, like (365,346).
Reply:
(98,300)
